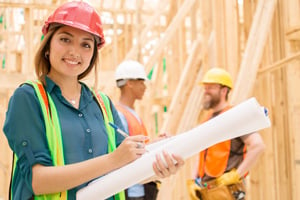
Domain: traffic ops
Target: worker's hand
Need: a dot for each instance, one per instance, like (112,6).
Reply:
(229,178)
(192,188)
(171,165)
(130,149)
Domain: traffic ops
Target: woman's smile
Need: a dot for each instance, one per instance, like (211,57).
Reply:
(71,62)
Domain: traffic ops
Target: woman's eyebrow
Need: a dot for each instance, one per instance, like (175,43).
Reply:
(67,33)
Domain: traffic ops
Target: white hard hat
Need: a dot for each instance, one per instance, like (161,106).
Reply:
(130,69)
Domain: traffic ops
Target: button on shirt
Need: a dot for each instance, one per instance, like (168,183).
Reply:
(83,133)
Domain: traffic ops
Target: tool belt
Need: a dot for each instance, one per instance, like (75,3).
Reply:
(229,192)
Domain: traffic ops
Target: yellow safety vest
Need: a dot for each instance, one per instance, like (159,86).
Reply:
(54,137)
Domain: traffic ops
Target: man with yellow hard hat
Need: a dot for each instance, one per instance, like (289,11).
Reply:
(222,167)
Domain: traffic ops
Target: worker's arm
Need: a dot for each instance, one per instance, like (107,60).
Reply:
(255,147)
(47,180)
(52,179)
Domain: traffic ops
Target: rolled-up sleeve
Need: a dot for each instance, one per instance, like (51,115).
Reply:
(25,131)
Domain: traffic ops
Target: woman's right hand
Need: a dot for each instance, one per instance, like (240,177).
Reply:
(130,149)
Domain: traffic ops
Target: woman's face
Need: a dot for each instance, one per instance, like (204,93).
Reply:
(71,51)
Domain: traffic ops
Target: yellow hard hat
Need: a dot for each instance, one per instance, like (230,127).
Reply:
(218,75)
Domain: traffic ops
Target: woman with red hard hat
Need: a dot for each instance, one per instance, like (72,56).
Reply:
(57,126)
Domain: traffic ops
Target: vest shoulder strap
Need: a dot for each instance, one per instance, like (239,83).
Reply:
(105,106)
(53,134)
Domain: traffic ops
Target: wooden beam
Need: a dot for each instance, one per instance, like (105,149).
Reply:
(219,22)
(254,50)
(179,98)
(149,26)
(279,64)
(293,33)
(194,20)
(232,37)
(293,13)
(139,39)
(115,40)
(28,65)
(171,30)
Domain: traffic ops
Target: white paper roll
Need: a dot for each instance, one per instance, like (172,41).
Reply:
(242,119)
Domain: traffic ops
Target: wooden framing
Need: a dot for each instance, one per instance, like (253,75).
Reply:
(257,41)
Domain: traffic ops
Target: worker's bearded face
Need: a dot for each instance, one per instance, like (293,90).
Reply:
(212,96)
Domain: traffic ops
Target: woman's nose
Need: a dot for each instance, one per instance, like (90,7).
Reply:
(73,51)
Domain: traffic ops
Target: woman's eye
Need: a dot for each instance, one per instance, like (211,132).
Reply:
(65,39)
(86,45)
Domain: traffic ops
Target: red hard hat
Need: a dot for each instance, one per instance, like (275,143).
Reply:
(79,15)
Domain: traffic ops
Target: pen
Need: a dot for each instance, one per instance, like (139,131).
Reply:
(123,133)
(118,129)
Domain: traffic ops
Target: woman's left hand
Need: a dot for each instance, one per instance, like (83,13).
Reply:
(165,169)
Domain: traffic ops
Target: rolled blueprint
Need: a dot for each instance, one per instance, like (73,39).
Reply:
(245,118)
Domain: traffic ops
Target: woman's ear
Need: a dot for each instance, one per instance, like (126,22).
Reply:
(47,54)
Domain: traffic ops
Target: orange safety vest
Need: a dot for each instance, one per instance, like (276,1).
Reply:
(213,161)
(135,127)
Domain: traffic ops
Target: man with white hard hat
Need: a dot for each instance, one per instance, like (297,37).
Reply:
(130,77)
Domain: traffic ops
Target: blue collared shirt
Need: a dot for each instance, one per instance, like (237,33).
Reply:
(83,130)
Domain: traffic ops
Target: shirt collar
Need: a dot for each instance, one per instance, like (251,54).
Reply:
(87,95)
(49,84)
